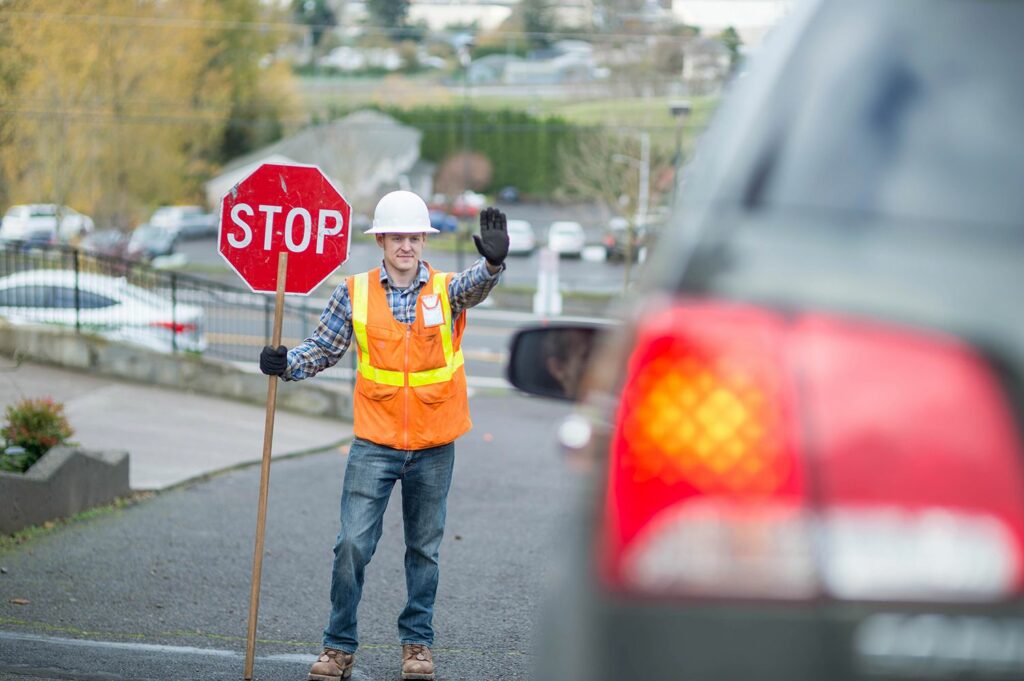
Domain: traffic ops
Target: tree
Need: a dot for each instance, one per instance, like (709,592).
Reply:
(389,13)
(538,22)
(317,14)
(117,107)
(463,171)
(259,97)
(596,167)
(732,41)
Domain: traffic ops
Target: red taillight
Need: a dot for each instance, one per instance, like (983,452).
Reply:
(175,327)
(763,455)
(705,474)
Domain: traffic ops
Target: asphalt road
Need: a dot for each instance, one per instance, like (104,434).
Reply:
(160,590)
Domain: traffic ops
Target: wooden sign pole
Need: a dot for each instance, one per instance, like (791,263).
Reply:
(268,439)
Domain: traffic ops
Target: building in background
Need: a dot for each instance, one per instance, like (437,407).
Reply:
(366,154)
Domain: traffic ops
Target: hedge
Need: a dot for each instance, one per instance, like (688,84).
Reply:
(522,148)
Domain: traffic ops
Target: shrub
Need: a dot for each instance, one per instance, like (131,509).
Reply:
(36,426)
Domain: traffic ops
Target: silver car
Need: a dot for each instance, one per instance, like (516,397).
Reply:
(43,222)
(107,306)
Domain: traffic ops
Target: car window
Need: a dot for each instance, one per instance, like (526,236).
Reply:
(26,296)
(889,122)
(64,297)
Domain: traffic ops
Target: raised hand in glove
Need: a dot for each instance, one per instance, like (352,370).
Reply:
(493,240)
(273,361)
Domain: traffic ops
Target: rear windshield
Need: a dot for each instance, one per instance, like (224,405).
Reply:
(907,110)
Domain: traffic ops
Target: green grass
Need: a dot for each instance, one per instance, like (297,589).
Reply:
(637,112)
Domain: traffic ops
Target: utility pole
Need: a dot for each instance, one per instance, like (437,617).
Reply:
(680,111)
(461,231)
(641,205)
(643,165)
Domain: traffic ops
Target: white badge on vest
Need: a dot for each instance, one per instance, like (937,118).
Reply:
(433,315)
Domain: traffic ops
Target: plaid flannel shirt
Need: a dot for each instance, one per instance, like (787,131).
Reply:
(333,334)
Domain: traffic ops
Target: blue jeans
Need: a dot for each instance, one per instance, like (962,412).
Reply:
(371,473)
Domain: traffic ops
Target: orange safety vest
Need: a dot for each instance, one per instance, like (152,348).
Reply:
(411,382)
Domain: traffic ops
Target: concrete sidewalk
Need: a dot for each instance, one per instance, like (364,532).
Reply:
(172,436)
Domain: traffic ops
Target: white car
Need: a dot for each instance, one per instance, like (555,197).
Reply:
(107,306)
(521,240)
(185,221)
(566,238)
(43,222)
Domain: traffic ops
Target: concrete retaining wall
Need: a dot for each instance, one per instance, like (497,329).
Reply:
(63,482)
(189,372)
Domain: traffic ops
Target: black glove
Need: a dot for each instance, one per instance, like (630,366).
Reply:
(274,362)
(493,240)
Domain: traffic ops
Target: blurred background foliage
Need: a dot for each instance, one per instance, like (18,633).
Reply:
(115,107)
(116,116)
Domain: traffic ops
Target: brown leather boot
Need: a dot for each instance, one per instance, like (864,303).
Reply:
(332,665)
(417,662)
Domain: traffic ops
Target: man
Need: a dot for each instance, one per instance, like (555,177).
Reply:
(410,405)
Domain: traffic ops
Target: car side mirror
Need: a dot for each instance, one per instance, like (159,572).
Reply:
(551,361)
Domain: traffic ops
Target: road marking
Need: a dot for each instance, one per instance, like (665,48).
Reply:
(210,652)
(118,645)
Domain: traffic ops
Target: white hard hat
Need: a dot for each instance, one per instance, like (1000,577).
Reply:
(401,212)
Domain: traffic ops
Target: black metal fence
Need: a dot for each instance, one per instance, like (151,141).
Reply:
(132,302)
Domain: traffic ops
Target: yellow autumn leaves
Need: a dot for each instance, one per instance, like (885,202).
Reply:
(115,106)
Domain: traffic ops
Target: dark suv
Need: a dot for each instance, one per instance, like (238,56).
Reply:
(616,241)
(806,436)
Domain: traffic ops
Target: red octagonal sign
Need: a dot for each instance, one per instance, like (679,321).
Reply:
(289,208)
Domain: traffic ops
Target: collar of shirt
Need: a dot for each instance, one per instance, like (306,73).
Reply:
(422,277)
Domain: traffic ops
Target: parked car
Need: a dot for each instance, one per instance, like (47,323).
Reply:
(616,241)
(112,242)
(566,238)
(149,241)
(185,221)
(508,194)
(443,222)
(806,436)
(106,306)
(43,222)
(468,204)
(521,239)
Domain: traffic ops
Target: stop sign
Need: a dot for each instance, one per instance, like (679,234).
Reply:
(291,208)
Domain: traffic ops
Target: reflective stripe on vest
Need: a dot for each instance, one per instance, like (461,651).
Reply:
(453,359)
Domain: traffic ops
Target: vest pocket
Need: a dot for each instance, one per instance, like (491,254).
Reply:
(376,391)
(435,392)
(387,347)
(426,351)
